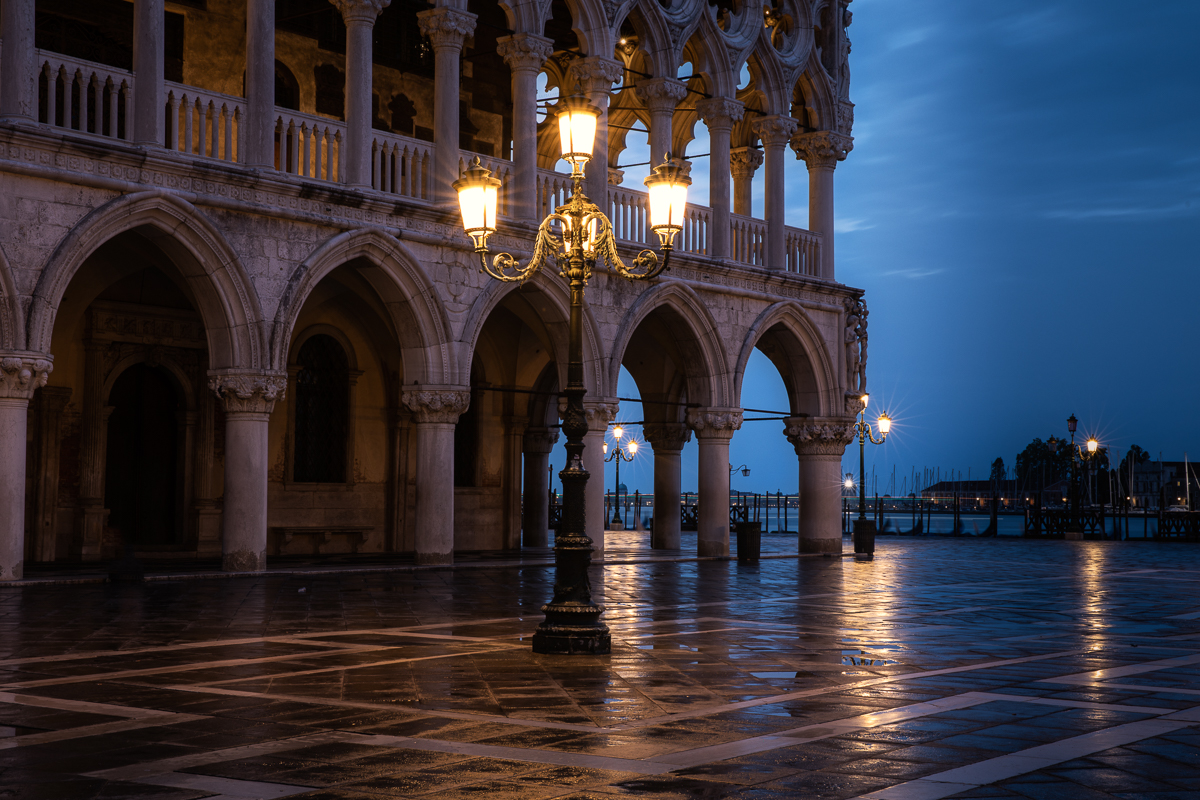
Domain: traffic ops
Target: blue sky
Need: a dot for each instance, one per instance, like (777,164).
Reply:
(1022,207)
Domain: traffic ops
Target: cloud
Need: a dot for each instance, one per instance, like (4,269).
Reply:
(850,224)
(914,274)
(1128,212)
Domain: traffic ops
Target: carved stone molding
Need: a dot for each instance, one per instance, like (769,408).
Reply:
(667,436)
(248,392)
(822,148)
(774,129)
(615,176)
(845,117)
(661,94)
(436,405)
(446,27)
(744,162)
(599,414)
(714,423)
(720,112)
(362,11)
(596,73)
(539,440)
(819,436)
(22,373)
(524,52)
(853,404)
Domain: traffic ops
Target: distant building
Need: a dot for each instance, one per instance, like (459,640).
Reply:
(1162,483)
(979,490)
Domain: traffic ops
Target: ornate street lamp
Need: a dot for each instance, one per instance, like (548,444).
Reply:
(574,238)
(864,531)
(618,454)
(743,469)
(1074,529)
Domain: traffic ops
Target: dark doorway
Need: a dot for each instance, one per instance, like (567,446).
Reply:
(141,478)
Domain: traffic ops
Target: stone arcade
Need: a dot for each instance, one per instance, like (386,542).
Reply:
(239,317)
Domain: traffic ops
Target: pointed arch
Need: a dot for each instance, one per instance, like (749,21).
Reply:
(12,331)
(802,339)
(559,297)
(413,304)
(713,387)
(223,292)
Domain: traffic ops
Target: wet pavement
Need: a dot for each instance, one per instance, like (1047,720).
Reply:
(942,668)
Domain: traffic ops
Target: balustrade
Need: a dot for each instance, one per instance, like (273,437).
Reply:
(204,123)
(401,165)
(85,97)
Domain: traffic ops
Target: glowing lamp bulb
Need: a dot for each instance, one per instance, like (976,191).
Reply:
(668,188)
(618,432)
(478,193)
(885,424)
(864,399)
(577,130)
(1092,445)
(633,446)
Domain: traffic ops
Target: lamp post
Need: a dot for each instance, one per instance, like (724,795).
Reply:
(618,454)
(574,238)
(1092,447)
(864,529)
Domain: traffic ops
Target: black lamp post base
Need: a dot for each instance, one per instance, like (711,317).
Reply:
(569,640)
(864,537)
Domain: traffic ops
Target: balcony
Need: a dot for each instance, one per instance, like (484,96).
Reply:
(95,100)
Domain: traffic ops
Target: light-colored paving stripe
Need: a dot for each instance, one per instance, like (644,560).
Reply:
(953,781)
(1054,701)
(100,729)
(1096,676)
(80,706)
(134,772)
(1139,687)
(226,787)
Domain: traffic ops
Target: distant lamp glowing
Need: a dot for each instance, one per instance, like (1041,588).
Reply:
(885,424)
(668,188)
(849,482)
(1092,445)
(618,432)
(478,193)
(633,448)
(606,448)
(864,399)
(577,130)
(1072,423)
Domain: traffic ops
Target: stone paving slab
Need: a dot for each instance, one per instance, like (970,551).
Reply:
(942,668)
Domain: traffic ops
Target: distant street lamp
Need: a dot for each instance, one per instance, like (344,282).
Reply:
(1074,529)
(618,454)
(864,529)
(744,470)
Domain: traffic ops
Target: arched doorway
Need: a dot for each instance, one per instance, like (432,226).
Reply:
(143,480)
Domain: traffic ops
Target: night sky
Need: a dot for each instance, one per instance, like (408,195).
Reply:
(1022,207)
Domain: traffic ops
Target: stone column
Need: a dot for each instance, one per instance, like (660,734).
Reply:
(359,16)
(149,98)
(259,138)
(743,163)
(535,520)
(775,132)
(820,443)
(668,440)
(514,434)
(596,75)
(436,411)
(21,374)
(599,416)
(660,96)
(821,151)
(18,89)
(93,440)
(714,428)
(206,516)
(51,402)
(248,398)
(525,53)
(719,114)
(446,28)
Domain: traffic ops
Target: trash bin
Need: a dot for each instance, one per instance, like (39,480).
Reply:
(864,536)
(749,540)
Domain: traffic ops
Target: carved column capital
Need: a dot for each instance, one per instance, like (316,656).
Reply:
(362,11)
(714,423)
(596,73)
(774,129)
(539,440)
(436,404)
(819,436)
(524,52)
(599,413)
(667,436)
(22,373)
(744,162)
(720,112)
(661,94)
(246,392)
(446,27)
(822,148)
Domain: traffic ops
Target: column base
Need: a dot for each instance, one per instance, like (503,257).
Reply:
(570,640)
(244,561)
(810,545)
(12,573)
(864,536)
(712,549)
(435,558)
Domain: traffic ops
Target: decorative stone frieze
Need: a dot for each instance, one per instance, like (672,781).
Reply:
(661,94)
(21,374)
(596,73)
(720,112)
(714,423)
(524,51)
(668,436)
(822,148)
(819,436)
(364,11)
(248,392)
(443,406)
(446,27)
(774,129)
